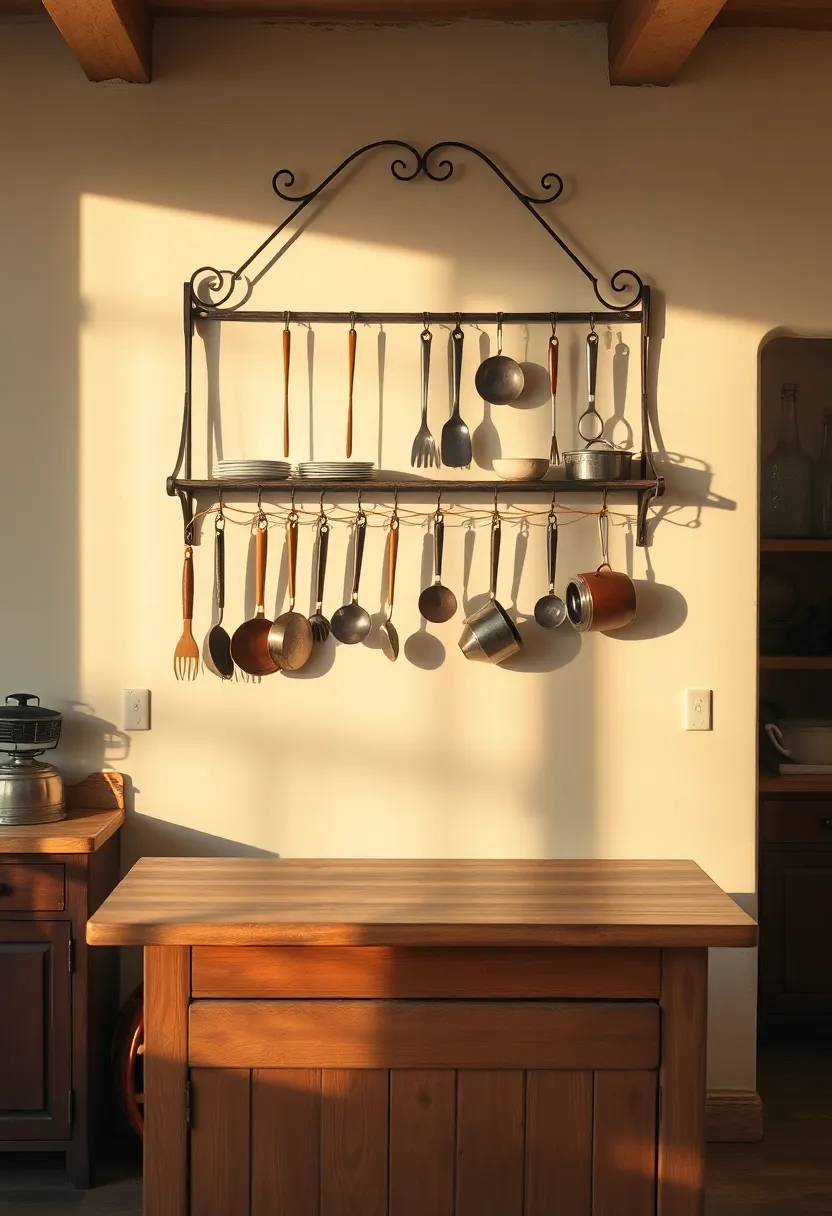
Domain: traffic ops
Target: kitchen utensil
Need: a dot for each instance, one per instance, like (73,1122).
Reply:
(456,438)
(219,642)
(351,623)
(802,740)
(351,342)
(589,464)
(186,655)
(437,603)
(30,791)
(388,635)
(489,634)
(590,423)
(554,453)
(520,468)
(604,599)
(321,627)
(550,610)
(290,637)
(287,351)
(250,641)
(423,454)
(499,379)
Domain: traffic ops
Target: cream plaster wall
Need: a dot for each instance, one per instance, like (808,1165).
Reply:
(716,189)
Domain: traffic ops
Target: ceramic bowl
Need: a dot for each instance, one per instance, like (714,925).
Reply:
(521,469)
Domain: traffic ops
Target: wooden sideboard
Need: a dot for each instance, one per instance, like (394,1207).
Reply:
(58,998)
(368,1038)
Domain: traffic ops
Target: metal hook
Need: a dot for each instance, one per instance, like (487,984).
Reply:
(322,511)
(499,333)
(220,511)
(426,321)
(358,497)
(592,322)
(260,499)
(292,512)
(352,320)
(496,510)
(554,319)
(286,320)
(552,515)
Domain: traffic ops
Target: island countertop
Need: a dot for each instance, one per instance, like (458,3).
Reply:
(264,901)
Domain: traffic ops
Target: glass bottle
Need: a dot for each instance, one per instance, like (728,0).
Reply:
(787,477)
(823,481)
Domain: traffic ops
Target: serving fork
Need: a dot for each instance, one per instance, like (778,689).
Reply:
(186,655)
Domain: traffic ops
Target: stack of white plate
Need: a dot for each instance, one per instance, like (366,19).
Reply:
(252,470)
(336,470)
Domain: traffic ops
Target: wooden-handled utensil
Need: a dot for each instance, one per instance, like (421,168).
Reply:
(250,643)
(388,634)
(186,655)
(554,453)
(287,353)
(352,339)
(219,643)
(290,637)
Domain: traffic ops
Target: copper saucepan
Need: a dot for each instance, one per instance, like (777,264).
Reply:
(604,599)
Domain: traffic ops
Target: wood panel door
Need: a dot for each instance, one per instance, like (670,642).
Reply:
(422,1142)
(795,943)
(35,1028)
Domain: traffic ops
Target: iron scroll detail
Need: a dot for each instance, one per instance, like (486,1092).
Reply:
(220,285)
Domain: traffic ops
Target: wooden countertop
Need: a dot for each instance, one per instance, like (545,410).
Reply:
(248,901)
(95,813)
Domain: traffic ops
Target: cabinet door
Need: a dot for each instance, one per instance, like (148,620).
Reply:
(34,1030)
(795,942)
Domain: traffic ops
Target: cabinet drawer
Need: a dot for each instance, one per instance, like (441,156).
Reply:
(31,888)
(796,821)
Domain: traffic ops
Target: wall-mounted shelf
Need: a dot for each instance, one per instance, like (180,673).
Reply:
(423,485)
(811,544)
(776,783)
(783,662)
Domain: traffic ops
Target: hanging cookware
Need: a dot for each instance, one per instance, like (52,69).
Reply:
(30,791)
(219,641)
(455,440)
(351,623)
(604,599)
(250,642)
(500,380)
(489,635)
(550,610)
(589,464)
(387,634)
(290,637)
(554,452)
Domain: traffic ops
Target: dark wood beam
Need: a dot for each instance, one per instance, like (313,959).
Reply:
(650,40)
(111,39)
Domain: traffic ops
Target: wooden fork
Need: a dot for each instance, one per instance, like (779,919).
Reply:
(186,655)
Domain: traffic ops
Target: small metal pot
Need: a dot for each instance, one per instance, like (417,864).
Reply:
(30,792)
(29,726)
(489,635)
(588,464)
(602,600)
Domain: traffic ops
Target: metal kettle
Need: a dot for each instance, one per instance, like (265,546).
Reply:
(30,791)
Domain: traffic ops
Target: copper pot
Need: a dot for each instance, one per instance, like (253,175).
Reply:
(604,599)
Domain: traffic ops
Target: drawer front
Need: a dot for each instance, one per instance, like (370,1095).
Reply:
(31,888)
(796,821)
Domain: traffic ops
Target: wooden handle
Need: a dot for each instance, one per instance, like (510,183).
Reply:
(188,585)
(553,366)
(260,552)
(287,351)
(292,558)
(353,338)
(392,556)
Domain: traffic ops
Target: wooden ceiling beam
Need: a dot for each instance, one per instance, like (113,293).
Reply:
(111,39)
(650,40)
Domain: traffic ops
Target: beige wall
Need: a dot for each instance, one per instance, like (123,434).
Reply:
(716,189)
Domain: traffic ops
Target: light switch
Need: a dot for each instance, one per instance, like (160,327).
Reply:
(699,709)
(136,710)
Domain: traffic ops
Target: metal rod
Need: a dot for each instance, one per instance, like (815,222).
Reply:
(428,486)
(630,317)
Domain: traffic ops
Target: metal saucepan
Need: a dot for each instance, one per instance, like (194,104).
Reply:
(489,635)
(290,637)
(500,380)
(604,599)
(591,464)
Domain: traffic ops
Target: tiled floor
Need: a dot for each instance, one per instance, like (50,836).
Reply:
(789,1174)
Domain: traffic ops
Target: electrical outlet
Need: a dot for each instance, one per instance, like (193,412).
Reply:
(136,709)
(698,709)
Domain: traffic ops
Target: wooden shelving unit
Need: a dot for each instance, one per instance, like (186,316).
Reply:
(811,544)
(786,662)
(777,783)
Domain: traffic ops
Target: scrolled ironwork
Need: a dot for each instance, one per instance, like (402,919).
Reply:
(212,280)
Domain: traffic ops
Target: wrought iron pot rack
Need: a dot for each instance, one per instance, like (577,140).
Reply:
(221,295)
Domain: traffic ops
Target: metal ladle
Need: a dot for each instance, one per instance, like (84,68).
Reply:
(550,610)
(388,634)
(219,641)
(437,603)
(500,380)
(351,622)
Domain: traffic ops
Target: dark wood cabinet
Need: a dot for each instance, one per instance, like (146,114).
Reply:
(58,1000)
(796,916)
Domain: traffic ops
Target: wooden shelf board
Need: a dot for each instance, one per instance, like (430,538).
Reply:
(811,544)
(781,662)
(777,783)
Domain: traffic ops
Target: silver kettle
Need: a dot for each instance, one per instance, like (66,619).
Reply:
(30,791)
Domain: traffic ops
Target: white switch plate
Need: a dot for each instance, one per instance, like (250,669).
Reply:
(698,709)
(136,709)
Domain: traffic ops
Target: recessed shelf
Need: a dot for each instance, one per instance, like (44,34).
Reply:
(782,662)
(809,544)
(777,783)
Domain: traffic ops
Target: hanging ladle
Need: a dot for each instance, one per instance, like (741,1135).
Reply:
(437,603)
(500,379)
(550,610)
(351,622)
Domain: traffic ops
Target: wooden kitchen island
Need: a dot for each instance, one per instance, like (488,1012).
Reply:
(423,1038)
